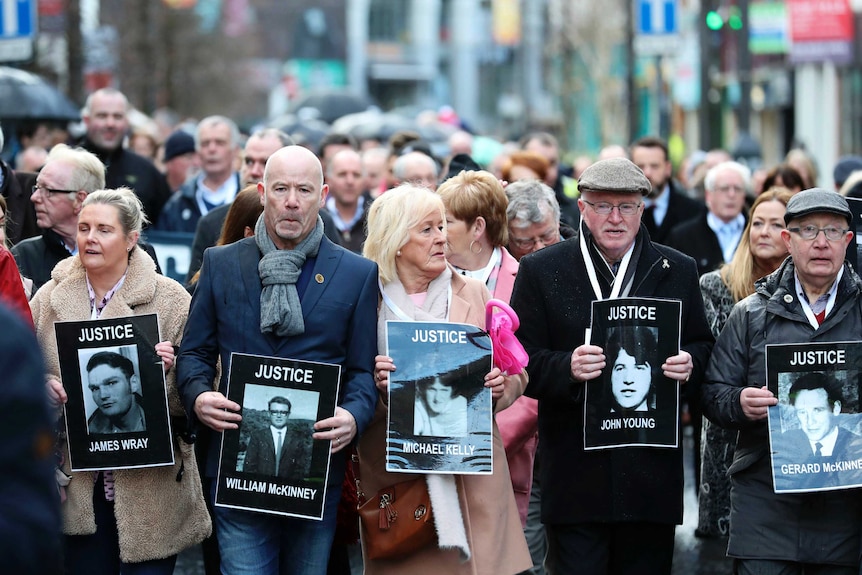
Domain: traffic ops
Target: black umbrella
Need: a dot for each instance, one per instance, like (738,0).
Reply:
(307,132)
(331,104)
(25,96)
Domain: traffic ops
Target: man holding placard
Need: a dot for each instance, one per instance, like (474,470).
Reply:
(287,292)
(812,299)
(605,510)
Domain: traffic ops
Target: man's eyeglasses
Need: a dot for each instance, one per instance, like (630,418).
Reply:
(548,237)
(605,209)
(49,191)
(279,412)
(832,234)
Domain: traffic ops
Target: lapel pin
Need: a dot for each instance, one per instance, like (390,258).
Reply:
(664,264)
(318,278)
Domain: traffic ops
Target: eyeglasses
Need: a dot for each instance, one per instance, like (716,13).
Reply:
(46,192)
(548,237)
(832,234)
(279,412)
(604,208)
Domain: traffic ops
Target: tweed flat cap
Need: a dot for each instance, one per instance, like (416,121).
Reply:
(617,175)
(817,201)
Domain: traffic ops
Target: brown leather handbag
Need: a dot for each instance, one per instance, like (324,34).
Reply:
(397,521)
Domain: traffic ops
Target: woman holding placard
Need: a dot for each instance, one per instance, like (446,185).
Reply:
(760,252)
(128,520)
(407,239)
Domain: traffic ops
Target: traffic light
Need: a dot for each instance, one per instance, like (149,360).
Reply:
(714,20)
(734,18)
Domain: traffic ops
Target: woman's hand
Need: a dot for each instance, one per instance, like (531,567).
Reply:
(166,351)
(382,366)
(495,380)
(56,393)
(339,429)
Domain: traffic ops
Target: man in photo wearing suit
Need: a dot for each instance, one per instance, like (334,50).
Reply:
(817,399)
(285,292)
(275,450)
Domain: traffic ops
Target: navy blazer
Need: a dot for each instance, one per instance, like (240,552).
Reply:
(339,308)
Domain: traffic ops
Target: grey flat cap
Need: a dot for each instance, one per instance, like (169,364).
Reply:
(817,201)
(617,175)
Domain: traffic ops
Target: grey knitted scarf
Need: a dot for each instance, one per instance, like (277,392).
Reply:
(280,310)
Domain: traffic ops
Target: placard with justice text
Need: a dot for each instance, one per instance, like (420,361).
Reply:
(117,410)
(440,414)
(815,431)
(271,463)
(632,402)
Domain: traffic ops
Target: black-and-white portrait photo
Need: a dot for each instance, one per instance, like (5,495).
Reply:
(630,352)
(440,409)
(819,445)
(112,390)
(276,430)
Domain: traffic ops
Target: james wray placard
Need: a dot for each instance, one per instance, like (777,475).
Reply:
(117,412)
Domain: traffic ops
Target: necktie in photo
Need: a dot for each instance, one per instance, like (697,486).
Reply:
(818,449)
(278,445)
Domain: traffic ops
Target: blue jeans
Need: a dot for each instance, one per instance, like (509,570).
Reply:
(253,543)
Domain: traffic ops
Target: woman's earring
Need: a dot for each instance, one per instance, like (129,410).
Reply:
(398,253)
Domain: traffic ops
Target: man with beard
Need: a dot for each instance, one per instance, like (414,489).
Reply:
(666,205)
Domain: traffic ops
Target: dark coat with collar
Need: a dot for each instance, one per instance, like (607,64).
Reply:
(181,212)
(680,208)
(339,308)
(552,298)
(126,168)
(696,239)
(20,214)
(822,527)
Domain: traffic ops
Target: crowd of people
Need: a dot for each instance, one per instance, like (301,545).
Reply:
(306,252)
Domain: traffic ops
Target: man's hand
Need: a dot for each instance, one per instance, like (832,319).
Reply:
(588,361)
(216,411)
(678,367)
(755,402)
(340,429)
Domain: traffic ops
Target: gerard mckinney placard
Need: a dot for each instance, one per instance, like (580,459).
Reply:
(440,417)
(271,463)
(815,431)
(117,415)
(632,402)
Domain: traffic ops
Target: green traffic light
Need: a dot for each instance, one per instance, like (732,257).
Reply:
(734,19)
(714,21)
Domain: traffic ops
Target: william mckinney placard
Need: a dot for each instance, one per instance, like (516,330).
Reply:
(440,418)
(117,412)
(815,431)
(271,463)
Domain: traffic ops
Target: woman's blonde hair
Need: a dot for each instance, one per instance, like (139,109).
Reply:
(390,219)
(129,207)
(739,275)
